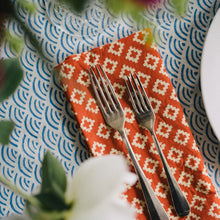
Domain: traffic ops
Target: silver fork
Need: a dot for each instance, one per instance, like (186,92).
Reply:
(113,115)
(145,116)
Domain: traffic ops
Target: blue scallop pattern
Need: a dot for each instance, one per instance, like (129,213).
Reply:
(44,119)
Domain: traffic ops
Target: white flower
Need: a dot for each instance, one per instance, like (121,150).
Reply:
(95,192)
(96,188)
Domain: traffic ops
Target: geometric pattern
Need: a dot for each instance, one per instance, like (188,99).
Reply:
(109,66)
(198,203)
(175,137)
(44,119)
(160,87)
(150,165)
(139,140)
(171,112)
(151,61)
(133,54)
(87,124)
(185,179)
(175,154)
(91,106)
(162,190)
(116,48)
(181,137)
(164,129)
(103,131)
(192,162)
(77,96)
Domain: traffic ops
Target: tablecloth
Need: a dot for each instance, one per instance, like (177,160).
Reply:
(43,117)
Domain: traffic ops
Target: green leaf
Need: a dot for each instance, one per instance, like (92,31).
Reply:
(180,6)
(39,214)
(11,75)
(52,174)
(6,128)
(131,8)
(12,12)
(30,6)
(16,43)
(52,201)
(53,184)
(75,5)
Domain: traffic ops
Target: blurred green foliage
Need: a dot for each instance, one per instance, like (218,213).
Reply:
(6,127)
(11,76)
(11,72)
(53,185)
(180,6)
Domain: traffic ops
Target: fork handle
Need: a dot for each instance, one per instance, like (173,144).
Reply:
(154,206)
(179,200)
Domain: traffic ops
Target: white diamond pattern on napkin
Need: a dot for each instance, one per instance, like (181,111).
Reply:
(164,129)
(162,190)
(92,59)
(155,103)
(77,96)
(175,155)
(212,211)
(185,179)
(137,204)
(140,140)
(151,165)
(203,186)
(126,70)
(119,90)
(67,71)
(160,87)
(103,131)
(98,148)
(83,78)
(133,54)
(116,48)
(109,65)
(181,137)
(92,106)
(151,62)
(129,116)
(192,162)
(171,112)
(198,202)
(87,124)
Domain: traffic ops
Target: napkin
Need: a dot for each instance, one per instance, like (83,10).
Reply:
(131,54)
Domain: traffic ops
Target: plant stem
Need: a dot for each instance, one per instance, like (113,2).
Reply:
(32,200)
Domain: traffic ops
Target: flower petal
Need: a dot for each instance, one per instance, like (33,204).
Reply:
(108,210)
(97,185)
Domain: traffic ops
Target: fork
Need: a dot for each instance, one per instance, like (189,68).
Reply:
(113,115)
(146,117)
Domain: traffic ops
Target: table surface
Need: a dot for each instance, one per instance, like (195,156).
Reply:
(44,119)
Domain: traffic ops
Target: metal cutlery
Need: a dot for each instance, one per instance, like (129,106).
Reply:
(146,117)
(113,115)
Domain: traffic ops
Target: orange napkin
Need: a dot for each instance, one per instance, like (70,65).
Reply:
(118,59)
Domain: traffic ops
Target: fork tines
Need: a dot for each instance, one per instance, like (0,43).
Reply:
(103,89)
(137,94)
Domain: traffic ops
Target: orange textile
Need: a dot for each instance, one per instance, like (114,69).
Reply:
(118,59)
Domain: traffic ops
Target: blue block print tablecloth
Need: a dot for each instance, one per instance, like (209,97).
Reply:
(43,118)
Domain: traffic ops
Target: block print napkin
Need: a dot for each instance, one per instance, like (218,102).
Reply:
(118,59)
